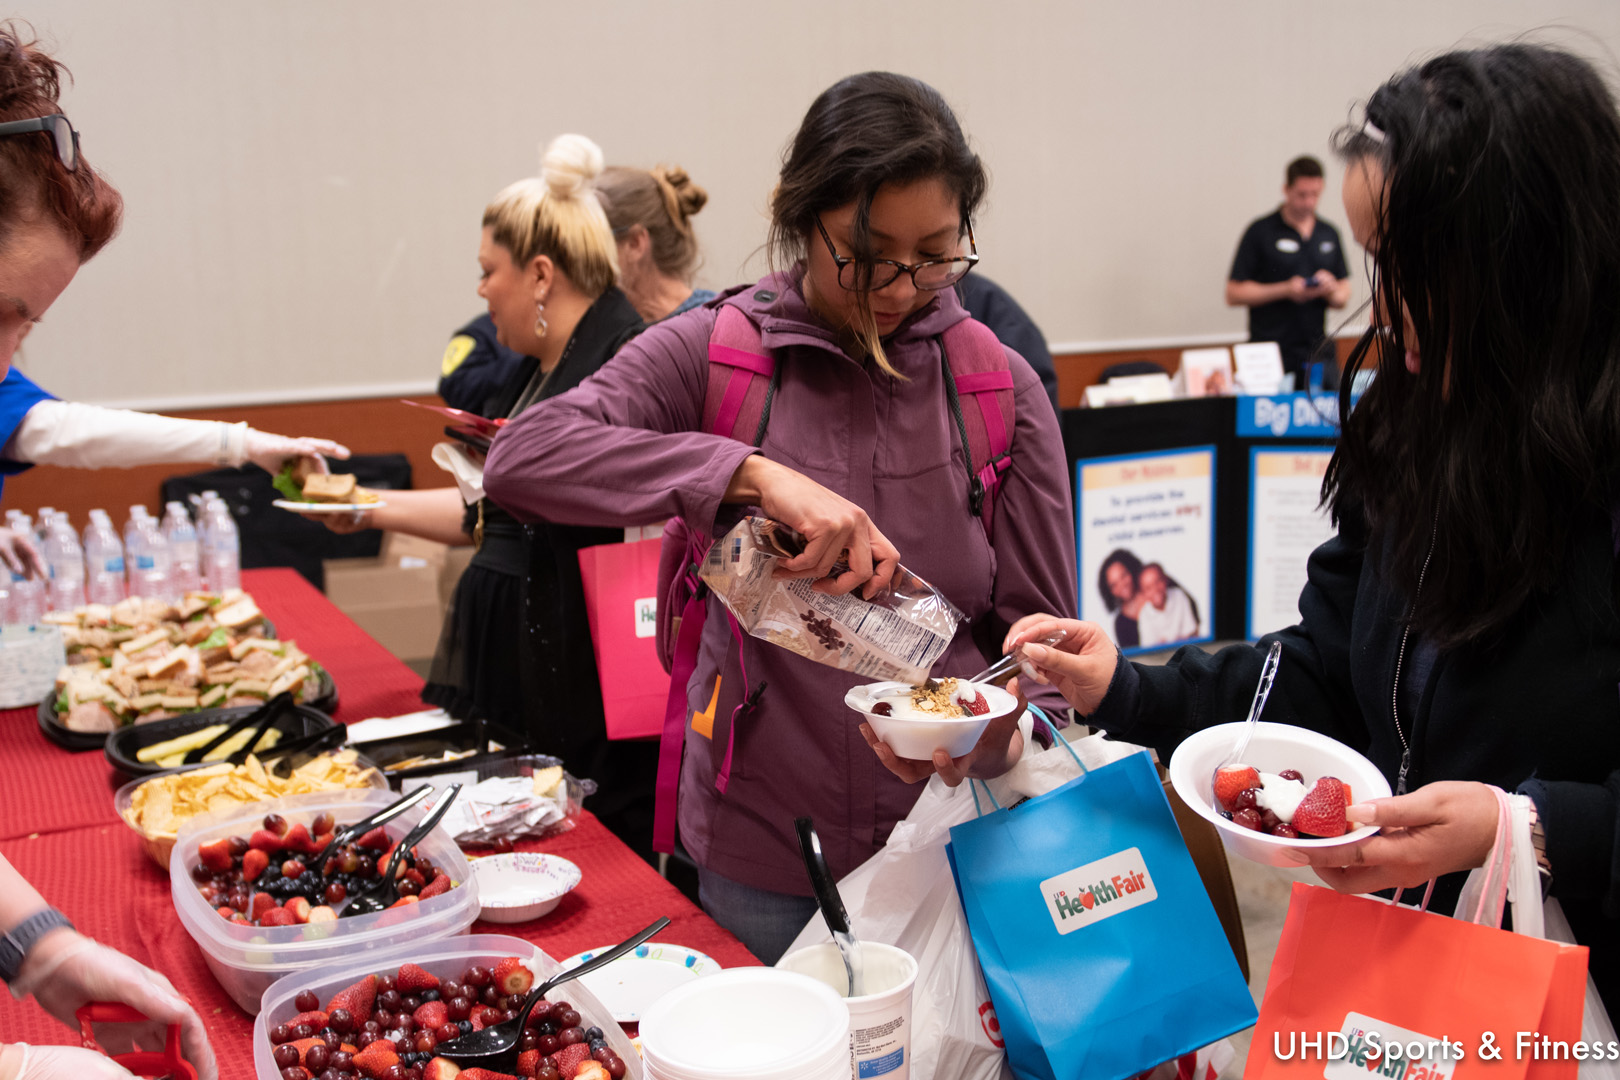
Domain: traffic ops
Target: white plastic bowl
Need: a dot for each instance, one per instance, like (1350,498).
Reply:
(918,739)
(1275,747)
(446,958)
(521,885)
(247,959)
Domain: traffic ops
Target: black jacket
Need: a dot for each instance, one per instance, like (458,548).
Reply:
(1535,711)
(562,695)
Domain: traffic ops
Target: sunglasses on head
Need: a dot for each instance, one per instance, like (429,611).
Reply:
(60,131)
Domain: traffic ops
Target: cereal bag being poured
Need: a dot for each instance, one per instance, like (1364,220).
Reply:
(896,635)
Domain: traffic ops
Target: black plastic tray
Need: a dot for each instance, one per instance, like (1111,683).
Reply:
(122,745)
(459,736)
(323,702)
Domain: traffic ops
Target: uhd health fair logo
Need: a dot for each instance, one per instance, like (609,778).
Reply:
(1093,892)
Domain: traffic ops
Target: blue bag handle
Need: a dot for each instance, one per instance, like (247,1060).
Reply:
(1040,716)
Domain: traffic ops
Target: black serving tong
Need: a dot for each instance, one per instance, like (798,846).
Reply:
(263,716)
(386,892)
(488,1047)
(311,743)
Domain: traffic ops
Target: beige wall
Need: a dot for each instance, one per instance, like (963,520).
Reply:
(304,178)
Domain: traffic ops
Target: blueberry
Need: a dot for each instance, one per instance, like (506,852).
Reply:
(592,1034)
(596,1044)
(466,1026)
(430,995)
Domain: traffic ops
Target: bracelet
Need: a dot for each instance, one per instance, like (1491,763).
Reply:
(1538,841)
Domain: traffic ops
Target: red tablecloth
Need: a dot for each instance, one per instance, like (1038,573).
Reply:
(57,827)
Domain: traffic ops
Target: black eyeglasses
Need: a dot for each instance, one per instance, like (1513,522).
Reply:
(61,132)
(929,276)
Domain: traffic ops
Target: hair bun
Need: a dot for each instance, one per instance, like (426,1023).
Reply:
(570,166)
(689,198)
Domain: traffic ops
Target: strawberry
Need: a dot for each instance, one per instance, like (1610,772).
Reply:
(568,1059)
(432,1015)
(315,1019)
(375,840)
(227,911)
(264,840)
(592,1070)
(376,1059)
(405,901)
(277,916)
(216,855)
(415,875)
(322,914)
(1348,800)
(486,1074)
(528,1063)
(512,978)
(299,906)
(253,864)
(437,887)
(413,980)
(1231,780)
(441,1069)
(357,999)
(977,707)
(298,839)
(1321,811)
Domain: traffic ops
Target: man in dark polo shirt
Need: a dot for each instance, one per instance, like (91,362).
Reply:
(1289,270)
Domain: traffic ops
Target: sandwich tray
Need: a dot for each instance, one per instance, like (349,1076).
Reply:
(326,508)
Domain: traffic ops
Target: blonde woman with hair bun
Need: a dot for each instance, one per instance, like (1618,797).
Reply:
(516,644)
(651,214)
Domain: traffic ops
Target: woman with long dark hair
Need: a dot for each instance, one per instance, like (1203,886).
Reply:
(872,224)
(1462,628)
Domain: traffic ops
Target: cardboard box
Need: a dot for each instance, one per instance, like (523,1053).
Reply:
(395,597)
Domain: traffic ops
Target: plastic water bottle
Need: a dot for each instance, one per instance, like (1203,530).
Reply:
(104,560)
(27,593)
(224,553)
(136,559)
(46,513)
(147,558)
(186,575)
(61,549)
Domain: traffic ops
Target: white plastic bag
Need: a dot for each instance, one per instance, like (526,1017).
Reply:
(1513,857)
(904,896)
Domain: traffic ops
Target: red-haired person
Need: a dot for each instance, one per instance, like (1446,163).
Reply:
(56,212)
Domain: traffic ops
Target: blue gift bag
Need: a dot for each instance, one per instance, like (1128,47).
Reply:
(1095,935)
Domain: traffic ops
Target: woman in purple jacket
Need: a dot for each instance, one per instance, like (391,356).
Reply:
(872,217)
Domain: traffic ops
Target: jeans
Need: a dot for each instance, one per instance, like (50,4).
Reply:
(766,922)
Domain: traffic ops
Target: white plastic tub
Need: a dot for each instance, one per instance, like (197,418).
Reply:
(446,959)
(247,959)
(748,1024)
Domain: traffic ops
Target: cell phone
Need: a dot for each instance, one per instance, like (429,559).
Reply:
(477,441)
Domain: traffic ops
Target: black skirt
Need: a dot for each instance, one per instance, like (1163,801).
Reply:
(475,672)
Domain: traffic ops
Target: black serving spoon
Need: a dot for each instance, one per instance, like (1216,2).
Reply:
(487,1047)
(832,905)
(348,834)
(386,892)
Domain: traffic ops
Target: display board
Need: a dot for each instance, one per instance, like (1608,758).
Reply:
(1285,525)
(1145,532)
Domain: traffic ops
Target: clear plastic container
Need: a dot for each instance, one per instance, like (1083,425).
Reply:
(247,959)
(445,959)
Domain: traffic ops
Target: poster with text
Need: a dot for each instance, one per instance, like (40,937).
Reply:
(1285,526)
(1146,537)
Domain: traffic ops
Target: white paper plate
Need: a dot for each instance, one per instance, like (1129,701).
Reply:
(325,508)
(630,984)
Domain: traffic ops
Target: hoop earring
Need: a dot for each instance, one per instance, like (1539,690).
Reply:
(539,320)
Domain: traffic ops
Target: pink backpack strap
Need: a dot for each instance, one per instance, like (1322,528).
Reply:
(980,384)
(741,377)
(737,404)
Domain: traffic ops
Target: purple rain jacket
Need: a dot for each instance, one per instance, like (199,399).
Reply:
(625,448)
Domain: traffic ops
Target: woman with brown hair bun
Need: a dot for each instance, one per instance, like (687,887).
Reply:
(651,214)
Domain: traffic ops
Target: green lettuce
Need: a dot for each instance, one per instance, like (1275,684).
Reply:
(288,487)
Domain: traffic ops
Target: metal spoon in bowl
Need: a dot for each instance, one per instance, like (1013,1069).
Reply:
(1268,674)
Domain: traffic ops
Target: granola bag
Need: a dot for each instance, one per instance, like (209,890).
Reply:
(896,635)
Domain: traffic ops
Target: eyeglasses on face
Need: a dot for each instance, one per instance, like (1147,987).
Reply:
(928,276)
(61,132)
